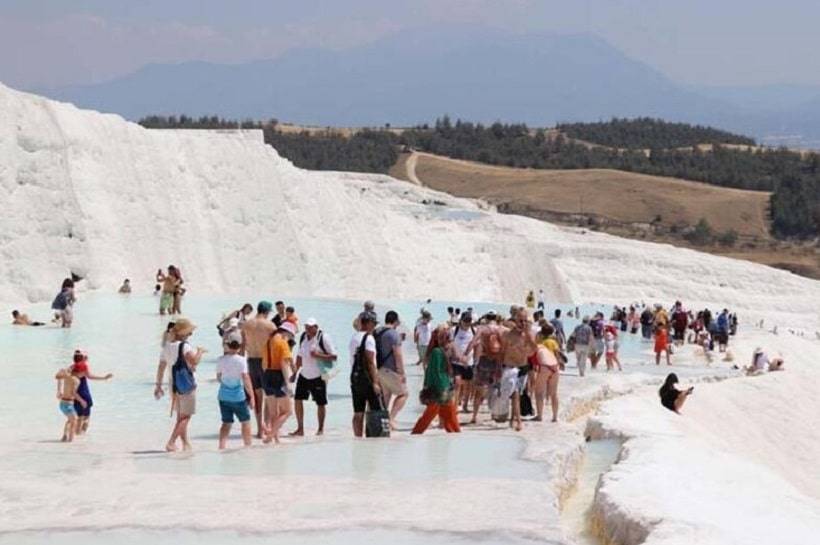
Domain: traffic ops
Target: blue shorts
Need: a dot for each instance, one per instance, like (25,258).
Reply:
(67,408)
(231,408)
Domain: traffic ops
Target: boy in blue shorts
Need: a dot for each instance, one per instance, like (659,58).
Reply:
(67,384)
(235,391)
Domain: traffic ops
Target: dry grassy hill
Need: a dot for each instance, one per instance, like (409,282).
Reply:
(622,203)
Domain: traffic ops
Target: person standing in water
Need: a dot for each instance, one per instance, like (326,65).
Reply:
(529,301)
(487,350)
(365,387)
(314,346)
(547,375)
(235,391)
(168,282)
(179,291)
(558,326)
(255,335)
(67,384)
(81,371)
(542,301)
(126,287)
(63,304)
(277,365)
(183,359)
(661,327)
(422,335)
(462,336)
(390,364)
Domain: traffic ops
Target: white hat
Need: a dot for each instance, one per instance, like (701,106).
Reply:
(233,336)
(288,326)
(310,322)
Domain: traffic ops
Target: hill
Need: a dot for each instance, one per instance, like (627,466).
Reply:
(622,203)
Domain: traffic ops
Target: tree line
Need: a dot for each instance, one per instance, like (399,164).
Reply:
(793,178)
(649,133)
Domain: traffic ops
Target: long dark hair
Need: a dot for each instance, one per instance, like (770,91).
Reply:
(669,383)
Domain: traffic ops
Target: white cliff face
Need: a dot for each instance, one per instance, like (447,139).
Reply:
(106,199)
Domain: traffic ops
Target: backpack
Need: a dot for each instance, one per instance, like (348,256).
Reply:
(359,377)
(181,374)
(319,336)
(582,335)
(381,356)
(60,302)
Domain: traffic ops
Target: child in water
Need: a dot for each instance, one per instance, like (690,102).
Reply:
(67,384)
(81,371)
(611,353)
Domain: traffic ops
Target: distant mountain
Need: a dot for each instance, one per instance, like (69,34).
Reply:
(413,77)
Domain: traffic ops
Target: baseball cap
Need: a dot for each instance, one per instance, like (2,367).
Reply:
(310,322)
(264,307)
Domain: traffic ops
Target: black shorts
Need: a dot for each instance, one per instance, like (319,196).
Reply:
(311,387)
(364,397)
(273,382)
(466,373)
(255,372)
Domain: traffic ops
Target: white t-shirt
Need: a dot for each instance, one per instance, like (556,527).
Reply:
(356,342)
(462,339)
(425,332)
(231,387)
(310,365)
(170,353)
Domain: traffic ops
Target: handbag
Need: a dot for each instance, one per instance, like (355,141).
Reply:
(526,405)
(377,421)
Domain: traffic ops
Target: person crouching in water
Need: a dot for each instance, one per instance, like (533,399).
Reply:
(184,360)
(67,384)
(235,390)
(437,392)
(81,371)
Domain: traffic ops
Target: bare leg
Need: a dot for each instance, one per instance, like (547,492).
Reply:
(478,398)
(246,433)
(299,409)
(283,413)
(259,398)
(398,405)
(224,430)
(358,424)
(552,391)
(680,400)
(516,411)
(321,411)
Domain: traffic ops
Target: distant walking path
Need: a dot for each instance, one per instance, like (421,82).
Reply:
(410,165)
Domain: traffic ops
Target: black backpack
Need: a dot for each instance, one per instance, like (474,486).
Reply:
(321,340)
(381,355)
(359,377)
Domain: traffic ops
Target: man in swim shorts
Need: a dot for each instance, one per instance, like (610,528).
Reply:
(19,318)
(67,383)
(519,344)
(255,335)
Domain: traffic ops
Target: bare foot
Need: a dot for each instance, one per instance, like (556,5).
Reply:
(187,446)
(473,421)
(170,447)
(518,426)
(64,439)
(297,433)
(267,439)
(554,419)
(320,432)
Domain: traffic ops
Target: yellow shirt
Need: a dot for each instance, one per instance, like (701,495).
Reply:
(552,345)
(276,352)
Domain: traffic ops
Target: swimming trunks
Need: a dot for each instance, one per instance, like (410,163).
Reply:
(67,407)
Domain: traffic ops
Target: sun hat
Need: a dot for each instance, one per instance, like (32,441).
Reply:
(310,322)
(183,326)
(288,327)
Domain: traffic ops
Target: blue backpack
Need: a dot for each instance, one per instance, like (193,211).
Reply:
(183,377)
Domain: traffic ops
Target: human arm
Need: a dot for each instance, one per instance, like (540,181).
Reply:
(398,357)
(158,391)
(246,381)
(107,376)
(370,360)
(192,357)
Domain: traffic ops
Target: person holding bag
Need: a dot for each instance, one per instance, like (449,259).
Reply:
(437,392)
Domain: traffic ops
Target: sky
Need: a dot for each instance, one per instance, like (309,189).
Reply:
(50,43)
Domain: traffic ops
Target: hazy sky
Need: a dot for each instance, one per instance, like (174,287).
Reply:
(708,42)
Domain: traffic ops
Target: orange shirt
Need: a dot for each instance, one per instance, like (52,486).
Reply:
(276,352)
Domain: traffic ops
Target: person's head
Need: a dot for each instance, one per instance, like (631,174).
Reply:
(513,311)
(287,329)
(15,313)
(280,307)
(369,305)
(678,304)
(126,281)
(537,315)
(520,317)
(599,315)
(458,311)
(466,320)
(558,313)
(233,345)
(426,317)
(311,327)
(247,308)
(367,321)
(68,283)
(671,380)
(170,327)
(450,310)
(585,319)
(391,318)
(547,331)
(490,317)
(440,337)
(263,308)
(156,287)
(183,328)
